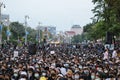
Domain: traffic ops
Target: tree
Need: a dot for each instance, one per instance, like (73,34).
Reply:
(87,27)
(4,35)
(88,32)
(77,39)
(31,34)
(107,17)
(17,30)
(97,31)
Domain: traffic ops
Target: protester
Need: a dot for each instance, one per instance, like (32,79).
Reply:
(59,62)
(114,54)
(106,55)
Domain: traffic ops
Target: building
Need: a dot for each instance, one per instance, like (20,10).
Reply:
(77,29)
(47,32)
(50,29)
(69,35)
(60,37)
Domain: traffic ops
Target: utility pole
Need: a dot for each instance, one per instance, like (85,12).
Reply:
(8,35)
(26,17)
(39,32)
(1,4)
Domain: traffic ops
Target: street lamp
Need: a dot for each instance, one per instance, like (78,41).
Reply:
(26,17)
(1,4)
(39,32)
(8,29)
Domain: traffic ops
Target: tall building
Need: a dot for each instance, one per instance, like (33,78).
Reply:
(77,29)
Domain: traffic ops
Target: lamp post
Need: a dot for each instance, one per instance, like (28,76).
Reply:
(8,29)
(1,4)
(39,32)
(8,38)
(26,17)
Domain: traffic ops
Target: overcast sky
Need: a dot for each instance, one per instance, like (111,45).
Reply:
(60,13)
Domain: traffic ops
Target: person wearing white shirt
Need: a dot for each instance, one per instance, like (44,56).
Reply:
(114,54)
(106,55)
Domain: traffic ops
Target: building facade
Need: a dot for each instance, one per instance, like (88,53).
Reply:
(50,29)
(69,35)
(77,29)
(47,32)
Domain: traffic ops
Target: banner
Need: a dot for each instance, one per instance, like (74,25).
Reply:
(8,33)
(15,54)
(27,32)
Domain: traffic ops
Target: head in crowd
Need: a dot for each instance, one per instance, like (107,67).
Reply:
(59,62)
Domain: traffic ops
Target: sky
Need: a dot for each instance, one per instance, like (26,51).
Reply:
(59,13)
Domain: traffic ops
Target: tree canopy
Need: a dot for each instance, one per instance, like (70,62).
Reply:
(106,19)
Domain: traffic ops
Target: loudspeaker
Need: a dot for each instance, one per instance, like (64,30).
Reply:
(109,38)
(32,49)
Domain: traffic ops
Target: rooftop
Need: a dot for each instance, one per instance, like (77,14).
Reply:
(76,26)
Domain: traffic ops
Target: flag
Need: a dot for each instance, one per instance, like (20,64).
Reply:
(1,27)
(27,32)
(8,33)
(36,37)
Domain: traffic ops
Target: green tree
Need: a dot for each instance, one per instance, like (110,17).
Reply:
(32,34)
(88,32)
(17,30)
(107,17)
(87,27)
(4,35)
(77,39)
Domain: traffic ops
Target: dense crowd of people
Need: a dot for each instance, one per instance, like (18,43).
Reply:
(59,62)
